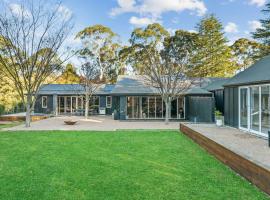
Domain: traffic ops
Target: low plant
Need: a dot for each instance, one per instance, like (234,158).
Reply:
(218,114)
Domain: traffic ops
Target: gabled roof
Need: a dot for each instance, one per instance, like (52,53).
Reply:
(72,89)
(217,84)
(257,73)
(135,85)
(132,85)
(126,85)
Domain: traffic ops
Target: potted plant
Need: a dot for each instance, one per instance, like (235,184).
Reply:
(218,116)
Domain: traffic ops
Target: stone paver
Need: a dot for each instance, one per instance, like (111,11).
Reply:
(99,123)
(249,146)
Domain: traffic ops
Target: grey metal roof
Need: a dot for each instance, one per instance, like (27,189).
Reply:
(257,73)
(217,84)
(132,85)
(135,85)
(126,85)
(72,89)
(197,90)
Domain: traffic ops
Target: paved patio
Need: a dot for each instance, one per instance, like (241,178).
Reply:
(249,146)
(95,123)
(246,154)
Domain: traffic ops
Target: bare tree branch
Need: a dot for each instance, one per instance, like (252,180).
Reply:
(32,38)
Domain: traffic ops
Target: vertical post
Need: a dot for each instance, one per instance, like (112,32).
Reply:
(269,138)
(55,105)
(123,107)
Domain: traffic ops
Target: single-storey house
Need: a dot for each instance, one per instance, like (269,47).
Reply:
(216,87)
(247,99)
(129,99)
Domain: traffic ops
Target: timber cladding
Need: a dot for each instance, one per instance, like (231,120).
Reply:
(21,118)
(256,174)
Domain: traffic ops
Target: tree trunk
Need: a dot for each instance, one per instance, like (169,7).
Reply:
(28,111)
(167,105)
(86,106)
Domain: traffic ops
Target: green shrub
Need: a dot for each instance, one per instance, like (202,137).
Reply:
(2,109)
(218,114)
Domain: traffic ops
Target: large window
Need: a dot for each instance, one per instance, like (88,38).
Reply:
(145,113)
(159,107)
(108,101)
(44,102)
(265,109)
(244,108)
(153,108)
(76,104)
(254,109)
(129,107)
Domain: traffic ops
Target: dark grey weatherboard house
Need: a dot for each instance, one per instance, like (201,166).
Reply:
(216,87)
(247,99)
(128,99)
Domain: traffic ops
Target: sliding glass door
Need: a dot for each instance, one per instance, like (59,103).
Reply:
(265,109)
(244,108)
(153,107)
(254,109)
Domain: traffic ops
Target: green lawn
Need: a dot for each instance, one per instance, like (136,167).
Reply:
(114,165)
(10,125)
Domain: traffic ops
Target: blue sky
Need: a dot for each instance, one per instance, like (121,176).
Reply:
(239,17)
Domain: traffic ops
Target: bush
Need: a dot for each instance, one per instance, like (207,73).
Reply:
(2,109)
(218,114)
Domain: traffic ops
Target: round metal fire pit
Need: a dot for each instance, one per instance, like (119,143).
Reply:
(70,122)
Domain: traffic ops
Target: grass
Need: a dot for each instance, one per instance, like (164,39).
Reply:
(114,165)
(16,123)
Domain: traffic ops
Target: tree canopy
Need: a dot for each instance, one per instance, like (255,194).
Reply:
(100,47)
(213,57)
(69,75)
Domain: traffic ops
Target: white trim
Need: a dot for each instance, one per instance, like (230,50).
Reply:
(42,101)
(110,105)
(248,129)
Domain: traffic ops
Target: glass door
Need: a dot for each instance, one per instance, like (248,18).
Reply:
(244,108)
(61,105)
(265,110)
(255,109)
(73,104)
(68,105)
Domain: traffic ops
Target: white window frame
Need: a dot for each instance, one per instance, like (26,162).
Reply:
(259,133)
(42,101)
(108,105)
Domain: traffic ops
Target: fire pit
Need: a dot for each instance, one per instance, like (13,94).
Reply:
(70,122)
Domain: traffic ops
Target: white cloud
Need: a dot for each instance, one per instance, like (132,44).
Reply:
(257,2)
(156,8)
(143,21)
(18,10)
(231,28)
(171,31)
(65,12)
(124,6)
(253,25)
(192,31)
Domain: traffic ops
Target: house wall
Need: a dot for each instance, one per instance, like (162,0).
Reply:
(38,106)
(102,104)
(200,108)
(122,107)
(231,107)
(219,100)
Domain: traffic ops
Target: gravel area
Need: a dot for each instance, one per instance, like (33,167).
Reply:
(98,123)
